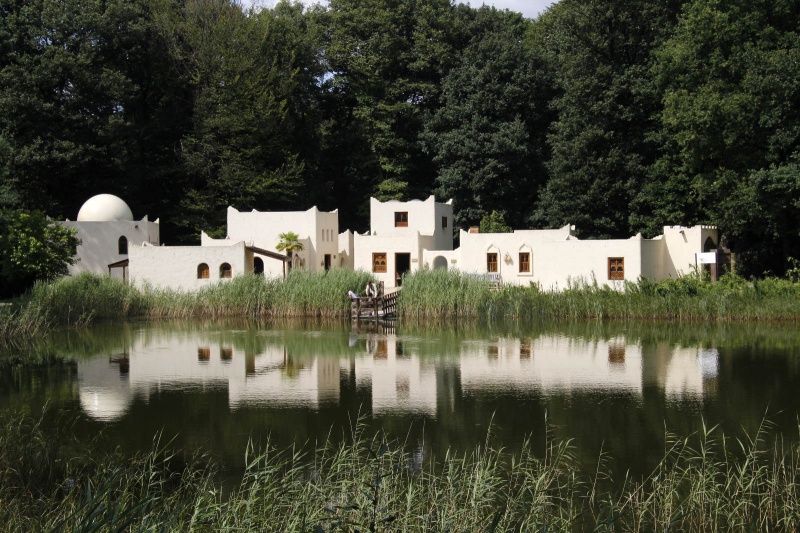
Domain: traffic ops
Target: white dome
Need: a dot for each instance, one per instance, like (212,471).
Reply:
(103,403)
(104,208)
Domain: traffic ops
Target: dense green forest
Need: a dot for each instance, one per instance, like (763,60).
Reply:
(619,116)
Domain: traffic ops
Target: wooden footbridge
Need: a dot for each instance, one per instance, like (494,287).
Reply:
(374,307)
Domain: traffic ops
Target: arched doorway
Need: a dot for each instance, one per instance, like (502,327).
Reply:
(258,266)
(440,262)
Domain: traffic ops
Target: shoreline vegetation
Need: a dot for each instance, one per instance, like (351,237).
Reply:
(704,482)
(427,295)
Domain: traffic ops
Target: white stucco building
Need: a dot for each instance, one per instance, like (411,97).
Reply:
(189,268)
(317,230)
(107,229)
(400,234)
(403,236)
(554,259)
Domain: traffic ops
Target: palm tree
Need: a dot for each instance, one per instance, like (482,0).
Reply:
(290,243)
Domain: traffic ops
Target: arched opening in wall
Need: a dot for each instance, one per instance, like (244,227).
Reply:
(709,245)
(202,271)
(225,270)
(258,266)
(440,262)
(122,246)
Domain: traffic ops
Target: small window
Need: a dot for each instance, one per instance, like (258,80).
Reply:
(225,270)
(616,268)
(524,261)
(491,262)
(401,219)
(379,262)
(444,222)
(202,271)
(122,246)
(258,266)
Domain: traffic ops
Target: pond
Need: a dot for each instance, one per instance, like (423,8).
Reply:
(616,389)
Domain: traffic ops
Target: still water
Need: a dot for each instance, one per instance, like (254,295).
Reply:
(612,388)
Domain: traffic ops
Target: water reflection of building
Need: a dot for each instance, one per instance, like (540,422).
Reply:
(554,363)
(551,364)
(400,378)
(277,378)
(154,363)
(104,390)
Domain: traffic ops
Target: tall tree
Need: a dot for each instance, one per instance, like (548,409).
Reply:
(386,61)
(80,83)
(486,139)
(601,53)
(238,151)
(731,124)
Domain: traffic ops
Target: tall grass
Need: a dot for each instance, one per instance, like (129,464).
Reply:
(427,296)
(704,482)
(444,295)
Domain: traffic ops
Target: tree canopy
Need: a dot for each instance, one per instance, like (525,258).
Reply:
(617,117)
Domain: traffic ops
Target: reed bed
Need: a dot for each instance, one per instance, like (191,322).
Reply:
(428,296)
(363,482)
(445,295)
(87,298)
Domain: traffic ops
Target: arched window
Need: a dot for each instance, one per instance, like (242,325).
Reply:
(708,246)
(122,246)
(258,266)
(202,271)
(225,270)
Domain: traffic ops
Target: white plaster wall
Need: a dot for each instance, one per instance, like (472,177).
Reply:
(443,237)
(346,257)
(681,246)
(560,263)
(452,258)
(475,246)
(100,243)
(316,229)
(656,263)
(424,216)
(175,267)
(366,245)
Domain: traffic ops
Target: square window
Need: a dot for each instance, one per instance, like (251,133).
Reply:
(401,219)
(524,261)
(379,263)
(616,268)
(491,262)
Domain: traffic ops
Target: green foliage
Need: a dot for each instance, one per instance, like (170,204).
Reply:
(618,117)
(600,53)
(486,139)
(391,189)
(89,298)
(289,243)
(494,222)
(440,294)
(731,126)
(32,248)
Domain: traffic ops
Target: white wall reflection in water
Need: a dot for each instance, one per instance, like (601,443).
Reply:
(399,379)
(402,374)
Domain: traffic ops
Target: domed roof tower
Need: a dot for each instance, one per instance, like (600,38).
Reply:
(105,208)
